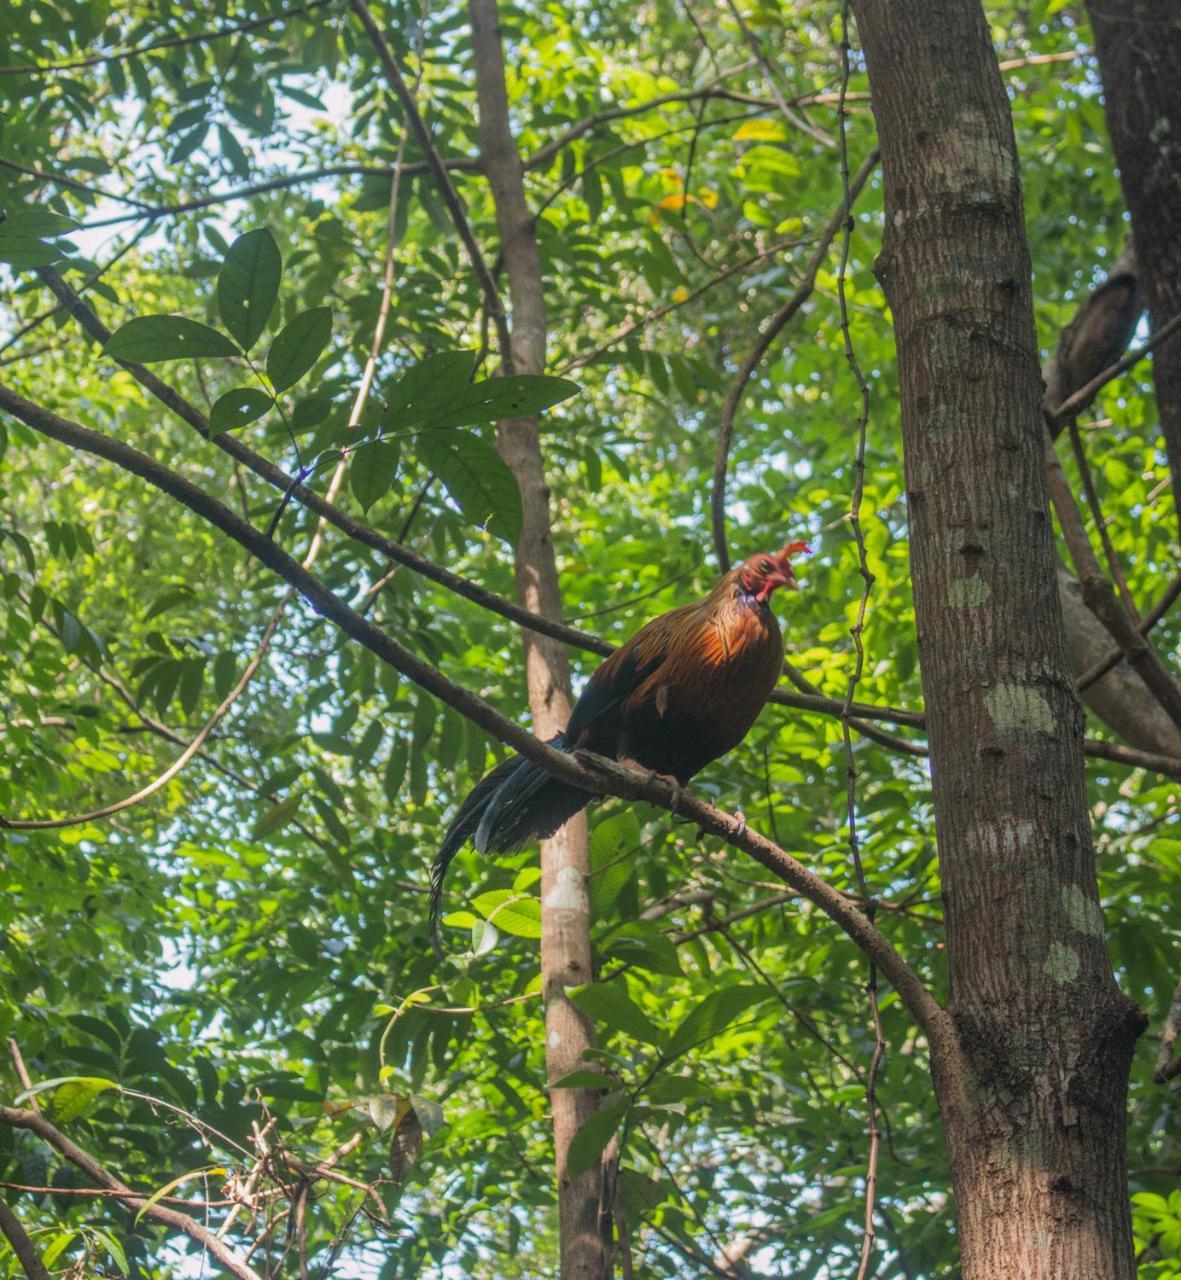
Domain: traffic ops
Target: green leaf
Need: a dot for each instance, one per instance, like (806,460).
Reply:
(36,222)
(583,1080)
(298,346)
(610,1004)
(713,1015)
(248,285)
(425,392)
(210,1171)
(371,471)
(430,1114)
(514,397)
(151,339)
(514,913)
(27,251)
(274,816)
(594,1134)
(613,844)
(71,1094)
(477,478)
(237,408)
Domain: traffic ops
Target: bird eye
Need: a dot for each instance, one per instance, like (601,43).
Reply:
(765,565)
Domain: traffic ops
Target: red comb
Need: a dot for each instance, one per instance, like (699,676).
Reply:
(794,548)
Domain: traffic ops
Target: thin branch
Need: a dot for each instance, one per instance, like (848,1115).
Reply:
(442,178)
(1096,509)
(1151,618)
(73,184)
(33,1121)
(760,348)
(1074,404)
(1101,598)
(796,121)
(592,773)
(1168,1063)
(172,42)
(198,742)
(22,1246)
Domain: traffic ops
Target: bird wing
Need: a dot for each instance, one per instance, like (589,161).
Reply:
(625,671)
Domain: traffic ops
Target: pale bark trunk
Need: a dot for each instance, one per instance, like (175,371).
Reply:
(1138,45)
(565,907)
(1035,1113)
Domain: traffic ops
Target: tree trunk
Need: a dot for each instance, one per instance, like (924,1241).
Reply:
(1034,1111)
(565,905)
(1139,49)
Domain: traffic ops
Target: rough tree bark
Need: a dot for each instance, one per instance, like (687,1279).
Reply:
(565,907)
(1138,45)
(1035,1124)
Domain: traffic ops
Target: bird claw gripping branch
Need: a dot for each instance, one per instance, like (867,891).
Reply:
(684,690)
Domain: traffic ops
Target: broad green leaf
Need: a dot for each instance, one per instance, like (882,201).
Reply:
(583,1080)
(298,346)
(151,339)
(274,816)
(27,251)
(237,408)
(71,1094)
(594,1134)
(713,1015)
(248,285)
(430,1114)
(514,913)
(371,470)
(485,936)
(425,392)
(36,222)
(512,397)
(613,845)
(610,1004)
(477,478)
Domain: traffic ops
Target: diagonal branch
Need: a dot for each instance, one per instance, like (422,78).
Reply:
(22,1246)
(593,774)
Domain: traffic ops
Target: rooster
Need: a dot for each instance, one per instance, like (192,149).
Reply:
(681,692)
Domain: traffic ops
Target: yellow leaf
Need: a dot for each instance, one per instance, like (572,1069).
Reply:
(674,202)
(761,131)
(708,197)
(680,293)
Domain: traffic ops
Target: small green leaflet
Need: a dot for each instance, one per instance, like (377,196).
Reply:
(236,408)
(610,1004)
(248,285)
(371,471)
(712,1016)
(72,1095)
(613,845)
(513,397)
(298,347)
(477,478)
(596,1131)
(150,339)
(21,244)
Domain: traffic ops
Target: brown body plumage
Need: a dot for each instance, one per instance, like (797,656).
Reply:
(681,692)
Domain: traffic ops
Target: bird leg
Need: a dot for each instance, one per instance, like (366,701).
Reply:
(652,775)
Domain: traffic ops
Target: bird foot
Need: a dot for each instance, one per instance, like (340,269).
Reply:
(652,775)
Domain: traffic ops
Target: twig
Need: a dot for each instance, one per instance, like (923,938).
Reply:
(22,1072)
(871,985)
(1168,1064)
(442,178)
(1101,598)
(1074,404)
(19,1118)
(172,42)
(762,344)
(1096,508)
(1151,618)
(138,797)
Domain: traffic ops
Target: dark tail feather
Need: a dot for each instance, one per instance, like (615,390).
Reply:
(509,808)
